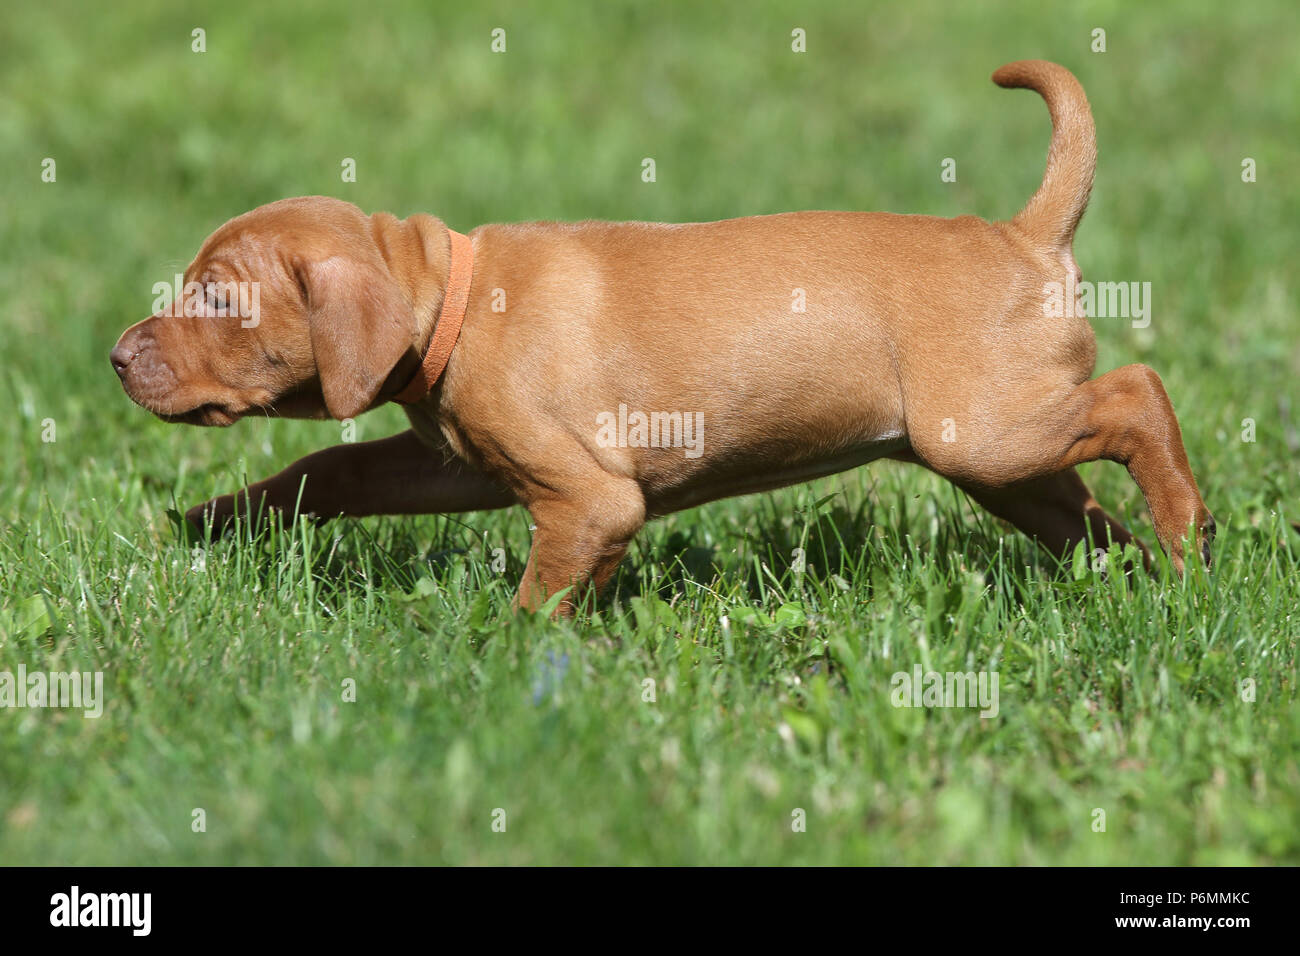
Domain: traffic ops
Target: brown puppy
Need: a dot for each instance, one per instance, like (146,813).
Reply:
(610,372)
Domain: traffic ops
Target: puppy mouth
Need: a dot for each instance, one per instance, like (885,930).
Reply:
(211,414)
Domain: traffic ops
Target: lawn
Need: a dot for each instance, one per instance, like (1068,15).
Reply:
(361,692)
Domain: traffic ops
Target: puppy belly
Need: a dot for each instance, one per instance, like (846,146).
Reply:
(741,474)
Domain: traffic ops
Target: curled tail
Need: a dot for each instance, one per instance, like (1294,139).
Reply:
(1053,213)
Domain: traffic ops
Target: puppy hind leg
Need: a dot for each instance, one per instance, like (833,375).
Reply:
(1058,511)
(1123,416)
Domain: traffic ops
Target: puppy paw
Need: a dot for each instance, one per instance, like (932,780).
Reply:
(1205,531)
(213,519)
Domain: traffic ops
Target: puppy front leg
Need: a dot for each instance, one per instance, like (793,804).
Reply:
(579,543)
(397,475)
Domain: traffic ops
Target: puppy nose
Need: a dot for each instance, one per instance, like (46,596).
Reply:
(121,357)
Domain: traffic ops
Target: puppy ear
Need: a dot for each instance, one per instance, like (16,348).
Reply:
(360,325)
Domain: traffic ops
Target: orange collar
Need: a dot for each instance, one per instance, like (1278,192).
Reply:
(455,299)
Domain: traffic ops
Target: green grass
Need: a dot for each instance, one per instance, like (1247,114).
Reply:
(224,678)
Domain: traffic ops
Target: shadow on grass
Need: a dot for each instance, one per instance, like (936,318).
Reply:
(820,545)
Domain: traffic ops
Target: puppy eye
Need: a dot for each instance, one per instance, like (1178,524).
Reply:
(215,299)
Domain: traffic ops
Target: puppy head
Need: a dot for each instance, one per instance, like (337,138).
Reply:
(302,308)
